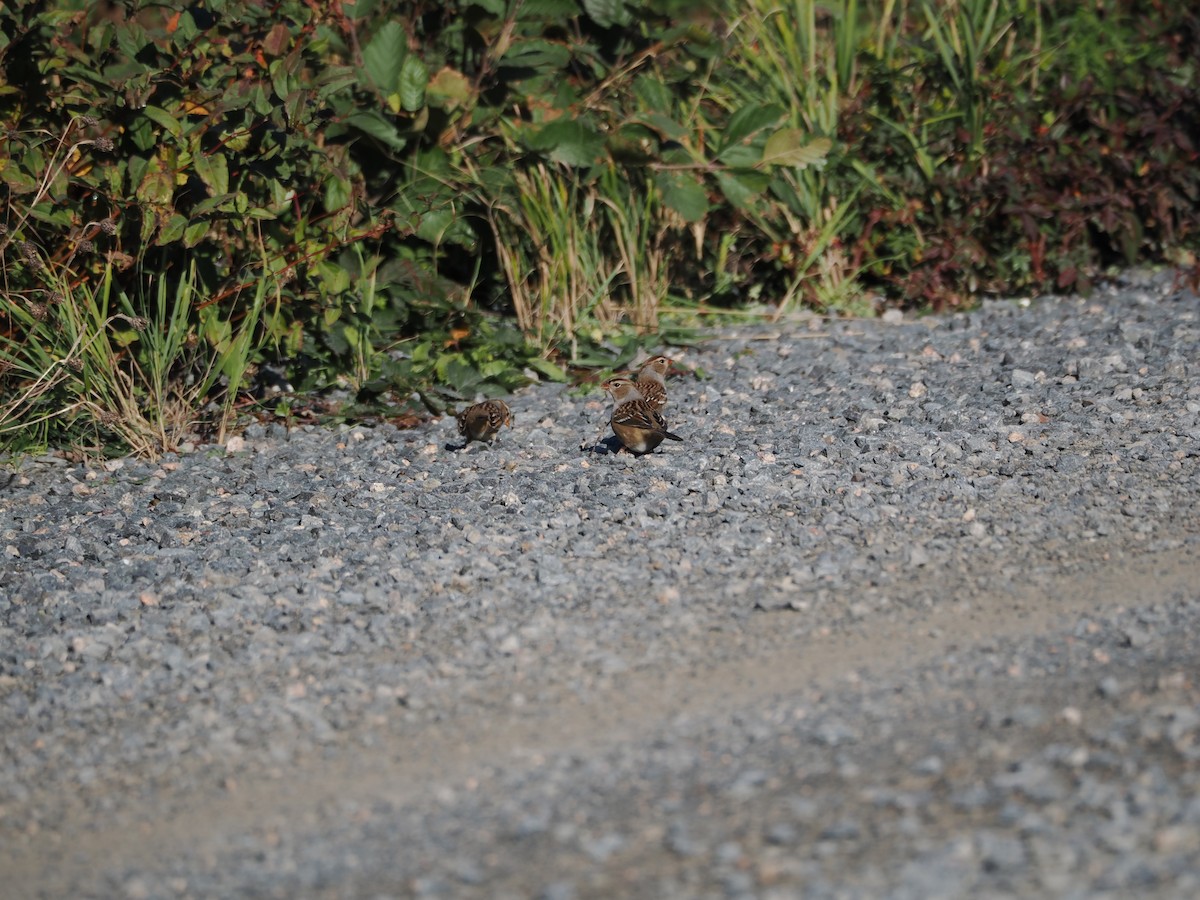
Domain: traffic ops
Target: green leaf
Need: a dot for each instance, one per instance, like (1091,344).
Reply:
(536,54)
(384,56)
(195,233)
(569,141)
(146,230)
(158,186)
(185,30)
(652,94)
(665,126)
(413,78)
(334,279)
(335,79)
(213,170)
(555,11)
(121,71)
(131,38)
(746,121)
(337,193)
(281,194)
(376,126)
(217,329)
(786,147)
(742,156)
(678,155)
(456,372)
(221,202)
(124,337)
(238,139)
(165,119)
(281,79)
(683,193)
(445,226)
(607,13)
(143,133)
(296,107)
(742,188)
(58,216)
(18,182)
(449,89)
(171,230)
(260,102)
(548,369)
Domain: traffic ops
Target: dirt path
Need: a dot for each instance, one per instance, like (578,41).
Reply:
(208,810)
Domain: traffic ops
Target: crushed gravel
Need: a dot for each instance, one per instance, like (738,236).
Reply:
(365,663)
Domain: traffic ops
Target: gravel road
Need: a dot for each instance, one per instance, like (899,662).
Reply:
(912,612)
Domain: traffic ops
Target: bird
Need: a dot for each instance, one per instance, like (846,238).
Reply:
(483,421)
(638,425)
(652,381)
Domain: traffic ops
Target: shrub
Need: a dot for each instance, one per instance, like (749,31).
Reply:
(438,200)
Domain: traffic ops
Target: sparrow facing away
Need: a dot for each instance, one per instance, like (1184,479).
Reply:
(483,421)
(652,381)
(638,425)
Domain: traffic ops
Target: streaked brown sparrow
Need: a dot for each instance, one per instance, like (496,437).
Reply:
(652,381)
(483,421)
(637,424)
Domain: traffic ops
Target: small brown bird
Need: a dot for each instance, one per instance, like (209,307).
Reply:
(637,424)
(652,381)
(483,421)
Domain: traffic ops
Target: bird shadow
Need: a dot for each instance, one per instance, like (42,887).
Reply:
(490,445)
(611,444)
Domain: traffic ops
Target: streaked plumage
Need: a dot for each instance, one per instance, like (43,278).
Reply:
(483,421)
(637,424)
(652,381)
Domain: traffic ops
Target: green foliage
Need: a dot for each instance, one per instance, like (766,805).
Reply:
(448,199)
(89,370)
(1038,147)
(978,145)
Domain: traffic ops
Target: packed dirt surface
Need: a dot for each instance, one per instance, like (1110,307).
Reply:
(933,731)
(913,614)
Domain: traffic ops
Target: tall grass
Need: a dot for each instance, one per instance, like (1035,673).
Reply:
(580,254)
(801,54)
(552,255)
(104,373)
(46,351)
(967,34)
(805,57)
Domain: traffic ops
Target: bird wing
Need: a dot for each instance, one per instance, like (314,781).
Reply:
(638,414)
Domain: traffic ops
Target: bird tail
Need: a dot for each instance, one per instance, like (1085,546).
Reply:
(673,437)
